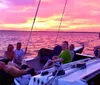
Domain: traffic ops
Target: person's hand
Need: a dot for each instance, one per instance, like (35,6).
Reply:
(10,63)
(49,61)
(24,62)
(54,57)
(26,70)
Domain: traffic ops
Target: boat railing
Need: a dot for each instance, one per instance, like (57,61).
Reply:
(85,55)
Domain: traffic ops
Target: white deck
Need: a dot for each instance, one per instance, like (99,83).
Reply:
(74,78)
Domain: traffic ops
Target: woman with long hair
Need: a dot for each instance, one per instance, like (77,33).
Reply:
(9,54)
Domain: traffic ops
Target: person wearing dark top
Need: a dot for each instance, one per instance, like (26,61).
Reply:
(97,51)
(57,50)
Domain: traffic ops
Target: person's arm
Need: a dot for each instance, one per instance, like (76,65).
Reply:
(15,71)
(22,54)
(47,65)
(57,60)
(25,50)
(5,55)
(14,64)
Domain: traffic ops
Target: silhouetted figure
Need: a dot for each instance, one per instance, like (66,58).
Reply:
(97,51)
(57,50)
(46,54)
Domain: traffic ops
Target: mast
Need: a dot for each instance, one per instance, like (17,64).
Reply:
(61,20)
(33,25)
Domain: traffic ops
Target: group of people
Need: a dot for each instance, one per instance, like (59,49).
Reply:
(16,55)
(13,64)
(63,54)
(13,61)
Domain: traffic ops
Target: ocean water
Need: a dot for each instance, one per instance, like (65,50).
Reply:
(46,40)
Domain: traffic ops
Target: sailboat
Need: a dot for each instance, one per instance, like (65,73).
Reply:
(83,71)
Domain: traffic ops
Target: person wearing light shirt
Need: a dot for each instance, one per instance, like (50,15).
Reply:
(19,54)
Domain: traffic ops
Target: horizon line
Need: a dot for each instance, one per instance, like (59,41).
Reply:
(52,31)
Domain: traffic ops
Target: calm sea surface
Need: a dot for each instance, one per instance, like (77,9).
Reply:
(47,40)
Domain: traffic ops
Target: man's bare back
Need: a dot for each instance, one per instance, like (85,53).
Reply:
(12,70)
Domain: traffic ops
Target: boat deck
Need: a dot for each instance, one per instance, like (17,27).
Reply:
(73,76)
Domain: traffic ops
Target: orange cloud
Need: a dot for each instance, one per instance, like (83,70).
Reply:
(52,23)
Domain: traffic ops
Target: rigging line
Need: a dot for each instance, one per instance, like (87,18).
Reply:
(33,23)
(61,21)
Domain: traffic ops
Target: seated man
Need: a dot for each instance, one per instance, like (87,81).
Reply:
(64,57)
(72,51)
(14,71)
(19,54)
(65,54)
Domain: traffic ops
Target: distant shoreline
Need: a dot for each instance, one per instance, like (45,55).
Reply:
(46,31)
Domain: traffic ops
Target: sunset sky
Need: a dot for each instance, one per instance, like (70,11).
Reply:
(80,15)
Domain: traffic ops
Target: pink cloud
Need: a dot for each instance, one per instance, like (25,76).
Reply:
(81,12)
